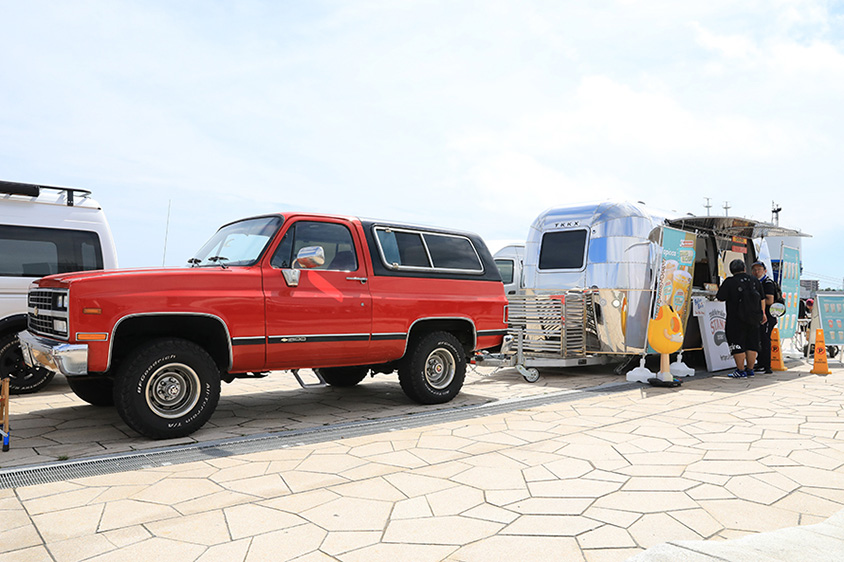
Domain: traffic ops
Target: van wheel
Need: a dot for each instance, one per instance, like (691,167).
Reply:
(167,388)
(23,379)
(97,392)
(434,369)
(343,376)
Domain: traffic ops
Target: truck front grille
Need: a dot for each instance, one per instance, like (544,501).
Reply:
(47,312)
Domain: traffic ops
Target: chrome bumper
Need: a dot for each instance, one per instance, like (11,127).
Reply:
(68,359)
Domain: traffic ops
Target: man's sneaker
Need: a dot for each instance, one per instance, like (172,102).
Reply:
(737,374)
(759,368)
(749,372)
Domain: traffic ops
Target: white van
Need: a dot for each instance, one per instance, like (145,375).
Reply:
(43,230)
(510,261)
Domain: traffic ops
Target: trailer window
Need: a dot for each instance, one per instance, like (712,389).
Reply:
(563,250)
(505,269)
(35,252)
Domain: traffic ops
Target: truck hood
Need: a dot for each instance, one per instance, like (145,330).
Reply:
(65,279)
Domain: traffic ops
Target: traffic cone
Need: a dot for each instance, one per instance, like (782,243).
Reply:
(776,352)
(820,366)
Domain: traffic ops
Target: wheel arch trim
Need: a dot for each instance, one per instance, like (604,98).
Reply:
(170,313)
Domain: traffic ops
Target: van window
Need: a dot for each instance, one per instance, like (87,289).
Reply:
(563,250)
(334,239)
(27,251)
(427,250)
(505,268)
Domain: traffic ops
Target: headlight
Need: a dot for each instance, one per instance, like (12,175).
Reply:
(61,302)
(60,326)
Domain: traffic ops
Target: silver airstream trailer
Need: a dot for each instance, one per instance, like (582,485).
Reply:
(510,261)
(591,272)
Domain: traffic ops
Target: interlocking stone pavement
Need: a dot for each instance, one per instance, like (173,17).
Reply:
(600,478)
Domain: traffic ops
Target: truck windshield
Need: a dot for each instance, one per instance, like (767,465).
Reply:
(240,243)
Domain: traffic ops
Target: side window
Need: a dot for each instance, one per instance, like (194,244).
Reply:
(427,250)
(563,250)
(35,252)
(505,269)
(334,239)
(403,248)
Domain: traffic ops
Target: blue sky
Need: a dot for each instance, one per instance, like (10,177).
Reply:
(476,115)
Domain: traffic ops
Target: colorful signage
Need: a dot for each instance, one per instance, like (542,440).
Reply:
(831,312)
(674,284)
(790,286)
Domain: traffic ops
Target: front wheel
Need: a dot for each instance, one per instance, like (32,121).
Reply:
(343,376)
(167,388)
(434,369)
(23,379)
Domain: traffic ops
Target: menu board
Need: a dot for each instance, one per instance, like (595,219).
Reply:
(831,314)
(790,285)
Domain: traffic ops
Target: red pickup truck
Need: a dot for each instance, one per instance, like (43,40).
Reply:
(340,295)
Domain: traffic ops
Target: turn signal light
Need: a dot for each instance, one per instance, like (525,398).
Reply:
(91,337)
(92,311)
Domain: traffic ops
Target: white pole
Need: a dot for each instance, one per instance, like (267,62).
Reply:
(166,232)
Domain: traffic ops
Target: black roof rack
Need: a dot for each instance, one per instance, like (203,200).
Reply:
(34,190)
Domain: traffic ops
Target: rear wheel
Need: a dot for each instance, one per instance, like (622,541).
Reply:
(343,376)
(167,388)
(434,369)
(98,392)
(23,379)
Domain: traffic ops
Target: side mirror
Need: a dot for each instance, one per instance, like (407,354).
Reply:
(310,257)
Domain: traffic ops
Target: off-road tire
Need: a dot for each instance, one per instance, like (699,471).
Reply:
(343,377)
(434,368)
(97,392)
(23,379)
(167,388)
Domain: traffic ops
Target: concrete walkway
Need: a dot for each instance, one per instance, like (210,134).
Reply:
(599,479)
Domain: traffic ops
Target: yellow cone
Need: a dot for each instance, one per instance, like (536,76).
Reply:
(776,352)
(820,366)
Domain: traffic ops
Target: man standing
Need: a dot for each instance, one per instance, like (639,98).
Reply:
(763,365)
(745,312)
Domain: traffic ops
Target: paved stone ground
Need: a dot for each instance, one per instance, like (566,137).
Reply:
(56,425)
(596,479)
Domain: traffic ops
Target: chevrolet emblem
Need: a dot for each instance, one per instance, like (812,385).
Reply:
(36,312)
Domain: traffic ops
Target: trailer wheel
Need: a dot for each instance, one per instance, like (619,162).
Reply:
(343,376)
(531,375)
(167,388)
(97,392)
(434,369)
(23,379)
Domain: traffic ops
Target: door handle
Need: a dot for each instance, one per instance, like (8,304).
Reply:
(361,279)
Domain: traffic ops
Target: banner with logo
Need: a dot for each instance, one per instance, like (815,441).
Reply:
(676,270)
(712,324)
(790,286)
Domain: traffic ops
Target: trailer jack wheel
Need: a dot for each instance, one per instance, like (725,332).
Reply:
(530,375)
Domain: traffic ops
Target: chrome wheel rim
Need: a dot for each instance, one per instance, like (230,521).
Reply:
(440,367)
(173,390)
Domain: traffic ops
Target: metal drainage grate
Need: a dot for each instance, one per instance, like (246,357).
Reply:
(122,462)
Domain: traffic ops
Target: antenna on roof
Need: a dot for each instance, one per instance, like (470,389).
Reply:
(726,208)
(166,232)
(775,213)
(708,205)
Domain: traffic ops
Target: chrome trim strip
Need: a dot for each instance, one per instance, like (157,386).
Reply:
(249,340)
(170,313)
(316,338)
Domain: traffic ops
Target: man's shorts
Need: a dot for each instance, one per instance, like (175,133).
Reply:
(742,337)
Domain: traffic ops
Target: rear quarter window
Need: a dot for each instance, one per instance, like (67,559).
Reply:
(420,250)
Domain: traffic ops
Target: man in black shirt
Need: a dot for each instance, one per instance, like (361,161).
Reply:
(763,365)
(745,312)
